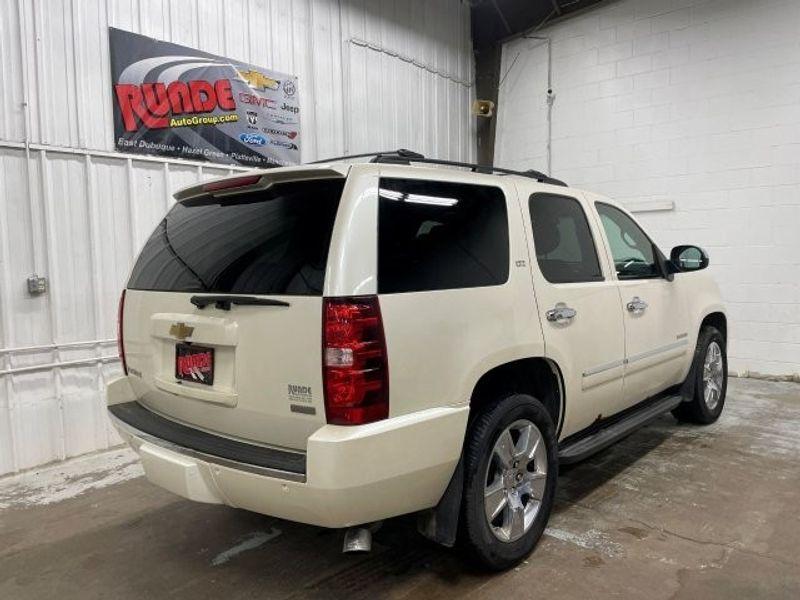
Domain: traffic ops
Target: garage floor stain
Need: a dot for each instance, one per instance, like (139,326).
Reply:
(673,511)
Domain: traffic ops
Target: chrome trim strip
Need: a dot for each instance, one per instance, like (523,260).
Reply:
(603,367)
(649,353)
(225,462)
(636,357)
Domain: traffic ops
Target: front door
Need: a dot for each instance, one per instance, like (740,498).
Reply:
(656,334)
(578,303)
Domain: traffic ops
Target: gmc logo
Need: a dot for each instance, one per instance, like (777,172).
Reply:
(153,103)
(257,100)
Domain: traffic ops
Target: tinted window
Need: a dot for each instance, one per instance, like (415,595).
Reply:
(635,256)
(268,242)
(564,246)
(436,236)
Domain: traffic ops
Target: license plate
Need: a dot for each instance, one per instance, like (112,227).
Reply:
(194,363)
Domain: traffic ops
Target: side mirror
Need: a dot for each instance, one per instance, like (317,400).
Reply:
(689,258)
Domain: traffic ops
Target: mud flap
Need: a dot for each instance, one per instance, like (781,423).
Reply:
(689,384)
(440,523)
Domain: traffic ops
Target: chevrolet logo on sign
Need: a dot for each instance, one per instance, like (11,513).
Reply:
(181,330)
(258,80)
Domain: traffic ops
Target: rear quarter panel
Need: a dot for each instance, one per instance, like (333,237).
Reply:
(441,342)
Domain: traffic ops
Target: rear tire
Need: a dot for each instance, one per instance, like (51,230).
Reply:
(710,370)
(511,469)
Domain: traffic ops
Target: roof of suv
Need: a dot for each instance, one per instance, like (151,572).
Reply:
(339,167)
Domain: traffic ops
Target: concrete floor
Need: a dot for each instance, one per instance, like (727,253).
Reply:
(673,511)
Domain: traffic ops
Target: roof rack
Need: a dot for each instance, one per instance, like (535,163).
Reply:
(406,157)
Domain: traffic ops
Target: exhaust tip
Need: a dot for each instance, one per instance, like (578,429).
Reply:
(359,539)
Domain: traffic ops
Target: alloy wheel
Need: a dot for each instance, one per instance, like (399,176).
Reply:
(516,477)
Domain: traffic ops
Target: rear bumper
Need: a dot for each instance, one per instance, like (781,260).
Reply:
(349,475)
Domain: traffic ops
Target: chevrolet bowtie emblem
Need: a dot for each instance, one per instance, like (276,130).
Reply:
(181,330)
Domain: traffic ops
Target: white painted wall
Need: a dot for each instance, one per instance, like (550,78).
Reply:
(373,75)
(696,102)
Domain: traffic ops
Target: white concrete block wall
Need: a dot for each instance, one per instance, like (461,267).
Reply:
(693,101)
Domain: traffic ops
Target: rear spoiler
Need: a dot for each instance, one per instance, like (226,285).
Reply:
(259,180)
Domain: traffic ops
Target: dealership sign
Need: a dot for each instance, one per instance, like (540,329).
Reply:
(175,101)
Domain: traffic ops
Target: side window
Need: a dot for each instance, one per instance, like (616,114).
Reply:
(635,256)
(564,246)
(435,235)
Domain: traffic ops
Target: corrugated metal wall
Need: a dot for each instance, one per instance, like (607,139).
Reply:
(372,75)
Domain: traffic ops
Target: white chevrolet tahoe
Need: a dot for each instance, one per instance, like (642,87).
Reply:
(345,342)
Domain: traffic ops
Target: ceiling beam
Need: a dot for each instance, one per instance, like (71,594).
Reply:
(502,17)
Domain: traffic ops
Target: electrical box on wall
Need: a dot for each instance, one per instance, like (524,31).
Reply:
(37,285)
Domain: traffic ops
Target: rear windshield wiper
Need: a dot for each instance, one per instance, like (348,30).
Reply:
(224,302)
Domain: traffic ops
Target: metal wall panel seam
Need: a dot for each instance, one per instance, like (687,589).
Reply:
(312,70)
(41,85)
(100,407)
(168,186)
(49,223)
(133,230)
(94,250)
(94,243)
(344,58)
(77,67)
(5,253)
(105,73)
(6,130)
(5,315)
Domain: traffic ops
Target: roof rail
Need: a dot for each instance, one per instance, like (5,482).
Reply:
(406,157)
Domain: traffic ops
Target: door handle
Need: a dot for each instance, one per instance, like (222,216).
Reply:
(636,306)
(561,314)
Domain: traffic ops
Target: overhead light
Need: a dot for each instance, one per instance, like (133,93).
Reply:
(418,198)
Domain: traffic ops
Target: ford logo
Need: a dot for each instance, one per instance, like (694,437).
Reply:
(253,139)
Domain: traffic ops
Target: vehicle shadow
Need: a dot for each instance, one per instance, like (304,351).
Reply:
(579,481)
(163,546)
(403,555)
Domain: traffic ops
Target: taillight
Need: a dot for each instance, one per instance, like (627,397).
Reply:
(120,338)
(354,365)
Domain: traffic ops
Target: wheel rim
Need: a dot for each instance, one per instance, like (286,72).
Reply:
(516,477)
(713,376)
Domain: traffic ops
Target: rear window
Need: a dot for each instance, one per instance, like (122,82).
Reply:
(268,242)
(439,235)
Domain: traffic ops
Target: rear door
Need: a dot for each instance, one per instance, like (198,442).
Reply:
(578,306)
(656,315)
(222,316)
